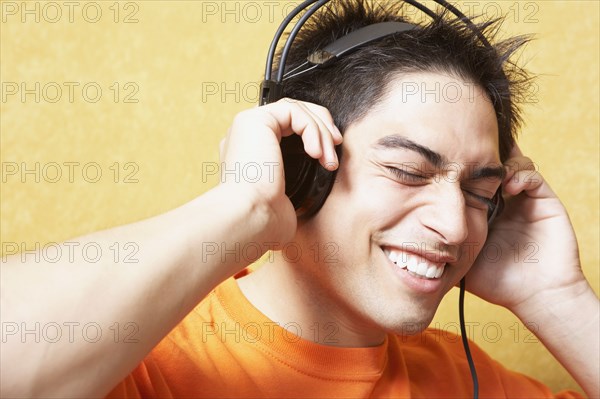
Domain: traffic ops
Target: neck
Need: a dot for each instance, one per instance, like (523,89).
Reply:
(290,295)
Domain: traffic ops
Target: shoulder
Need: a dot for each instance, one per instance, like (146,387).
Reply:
(442,347)
(441,352)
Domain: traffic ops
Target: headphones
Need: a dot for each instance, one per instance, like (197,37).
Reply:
(307,183)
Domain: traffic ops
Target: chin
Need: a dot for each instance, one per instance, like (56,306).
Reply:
(413,324)
(401,317)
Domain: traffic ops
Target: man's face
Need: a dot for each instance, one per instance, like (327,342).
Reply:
(411,188)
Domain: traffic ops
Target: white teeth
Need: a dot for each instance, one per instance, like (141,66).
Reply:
(415,264)
(422,270)
(439,272)
(431,272)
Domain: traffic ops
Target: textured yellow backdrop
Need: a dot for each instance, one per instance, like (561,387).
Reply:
(143,91)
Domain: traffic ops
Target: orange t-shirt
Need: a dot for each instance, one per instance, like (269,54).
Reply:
(226,348)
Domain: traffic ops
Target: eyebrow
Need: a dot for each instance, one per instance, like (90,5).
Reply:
(438,160)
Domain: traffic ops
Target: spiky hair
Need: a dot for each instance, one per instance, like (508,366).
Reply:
(354,84)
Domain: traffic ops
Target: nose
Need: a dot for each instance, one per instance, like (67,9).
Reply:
(446,214)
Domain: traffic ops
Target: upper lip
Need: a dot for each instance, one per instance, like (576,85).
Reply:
(431,255)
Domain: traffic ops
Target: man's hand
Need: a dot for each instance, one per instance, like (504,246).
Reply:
(531,248)
(254,138)
(536,272)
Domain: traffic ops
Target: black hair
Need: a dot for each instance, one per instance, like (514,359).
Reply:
(352,85)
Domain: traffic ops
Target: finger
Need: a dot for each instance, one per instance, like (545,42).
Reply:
(329,138)
(516,164)
(520,163)
(293,117)
(312,134)
(329,159)
(529,182)
(325,116)
(509,175)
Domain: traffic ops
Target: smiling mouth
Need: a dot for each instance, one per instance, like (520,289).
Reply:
(415,265)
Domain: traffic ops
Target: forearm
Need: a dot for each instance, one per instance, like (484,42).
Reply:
(568,324)
(133,304)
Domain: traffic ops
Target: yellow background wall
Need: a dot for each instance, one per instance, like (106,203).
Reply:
(191,66)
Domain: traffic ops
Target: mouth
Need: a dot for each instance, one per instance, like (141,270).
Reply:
(415,265)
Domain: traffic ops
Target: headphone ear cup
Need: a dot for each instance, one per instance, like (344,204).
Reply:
(307,183)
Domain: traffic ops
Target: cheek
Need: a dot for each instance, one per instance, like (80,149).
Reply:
(363,203)
(478,230)
(354,211)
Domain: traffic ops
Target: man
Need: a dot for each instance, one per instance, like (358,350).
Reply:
(407,216)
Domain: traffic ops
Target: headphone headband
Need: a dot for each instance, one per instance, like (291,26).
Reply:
(272,91)
(321,3)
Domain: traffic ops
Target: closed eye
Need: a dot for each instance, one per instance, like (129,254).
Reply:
(478,200)
(472,199)
(407,177)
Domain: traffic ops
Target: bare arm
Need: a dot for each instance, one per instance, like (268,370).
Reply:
(182,256)
(568,324)
(147,299)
